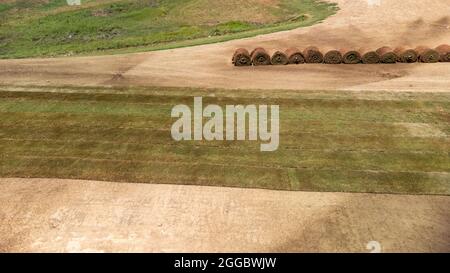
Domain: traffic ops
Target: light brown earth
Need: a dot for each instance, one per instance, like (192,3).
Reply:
(64,215)
(406,22)
(70,215)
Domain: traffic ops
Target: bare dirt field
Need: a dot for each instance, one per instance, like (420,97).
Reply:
(65,215)
(83,216)
(357,24)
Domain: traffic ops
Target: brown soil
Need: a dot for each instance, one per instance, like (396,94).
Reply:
(88,216)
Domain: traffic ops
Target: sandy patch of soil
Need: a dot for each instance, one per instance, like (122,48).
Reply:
(422,130)
(89,216)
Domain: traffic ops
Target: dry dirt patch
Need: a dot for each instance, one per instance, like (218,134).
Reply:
(422,130)
(87,216)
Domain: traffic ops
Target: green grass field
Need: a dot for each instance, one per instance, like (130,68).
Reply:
(51,27)
(329,141)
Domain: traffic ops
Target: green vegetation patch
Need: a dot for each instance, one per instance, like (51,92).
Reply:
(344,142)
(50,28)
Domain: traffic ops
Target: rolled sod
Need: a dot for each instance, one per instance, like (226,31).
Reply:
(444,51)
(387,55)
(427,55)
(295,56)
(369,56)
(313,55)
(350,56)
(260,57)
(405,55)
(279,58)
(241,57)
(333,57)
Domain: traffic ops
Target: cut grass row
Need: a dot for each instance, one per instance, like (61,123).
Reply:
(299,159)
(230,176)
(328,141)
(148,105)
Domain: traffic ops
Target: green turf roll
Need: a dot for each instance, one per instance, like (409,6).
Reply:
(444,52)
(279,58)
(369,56)
(406,55)
(241,57)
(260,57)
(333,57)
(295,56)
(350,56)
(387,55)
(427,55)
(313,55)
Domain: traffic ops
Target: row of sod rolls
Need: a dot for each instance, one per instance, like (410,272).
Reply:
(387,55)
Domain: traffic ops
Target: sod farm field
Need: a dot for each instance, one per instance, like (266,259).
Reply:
(382,142)
(52,27)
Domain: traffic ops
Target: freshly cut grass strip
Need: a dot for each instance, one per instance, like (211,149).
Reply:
(387,55)
(295,56)
(279,58)
(350,56)
(333,57)
(444,52)
(428,55)
(405,55)
(260,57)
(241,57)
(369,56)
(331,141)
(313,55)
